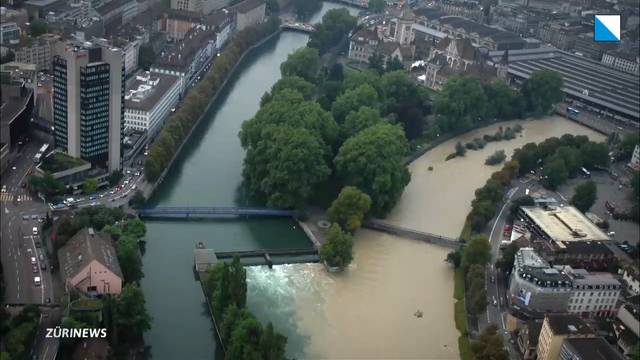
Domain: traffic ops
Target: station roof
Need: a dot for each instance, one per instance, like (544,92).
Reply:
(564,224)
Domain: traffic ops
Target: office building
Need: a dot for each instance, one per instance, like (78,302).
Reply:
(149,100)
(38,52)
(559,224)
(555,329)
(88,102)
(594,294)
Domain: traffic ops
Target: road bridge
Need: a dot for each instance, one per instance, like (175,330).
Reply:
(296,26)
(379,225)
(210,212)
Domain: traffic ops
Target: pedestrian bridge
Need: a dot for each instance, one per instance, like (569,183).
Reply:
(379,225)
(295,26)
(210,212)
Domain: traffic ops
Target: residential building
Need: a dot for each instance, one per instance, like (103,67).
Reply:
(594,348)
(176,23)
(630,275)
(589,255)
(561,34)
(594,294)
(89,263)
(38,52)
(363,45)
(629,315)
(480,35)
(149,100)
(528,339)
(555,329)
(200,6)
(627,61)
(222,23)
(186,57)
(9,33)
(88,102)
(249,13)
(535,287)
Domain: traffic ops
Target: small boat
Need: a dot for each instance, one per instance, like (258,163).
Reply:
(200,245)
(418,314)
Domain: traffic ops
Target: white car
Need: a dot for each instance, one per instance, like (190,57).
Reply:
(4,188)
(36,281)
(33,260)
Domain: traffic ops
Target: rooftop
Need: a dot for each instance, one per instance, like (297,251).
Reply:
(583,247)
(85,247)
(180,55)
(566,324)
(482,30)
(146,90)
(564,223)
(595,348)
(532,268)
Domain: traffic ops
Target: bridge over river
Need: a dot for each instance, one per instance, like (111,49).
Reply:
(379,225)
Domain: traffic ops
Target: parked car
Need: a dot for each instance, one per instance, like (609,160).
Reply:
(34,217)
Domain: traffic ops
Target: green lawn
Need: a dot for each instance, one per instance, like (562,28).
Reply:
(60,161)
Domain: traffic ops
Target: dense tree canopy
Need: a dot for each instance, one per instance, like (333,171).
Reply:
(133,319)
(305,88)
(304,62)
(336,24)
(476,252)
(286,166)
(45,184)
(349,208)
(372,161)
(555,173)
(129,258)
(489,345)
(460,103)
(352,100)
(38,27)
(541,91)
(585,196)
(359,120)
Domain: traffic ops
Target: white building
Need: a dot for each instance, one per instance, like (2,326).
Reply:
(630,277)
(635,159)
(623,61)
(594,294)
(148,101)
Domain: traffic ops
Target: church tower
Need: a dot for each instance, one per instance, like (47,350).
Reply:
(404,22)
(503,67)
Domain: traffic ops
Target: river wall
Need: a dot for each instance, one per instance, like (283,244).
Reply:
(149,190)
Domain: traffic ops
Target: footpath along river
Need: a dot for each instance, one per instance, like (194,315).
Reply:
(366,312)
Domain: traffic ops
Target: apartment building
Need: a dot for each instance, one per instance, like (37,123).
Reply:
(555,329)
(148,101)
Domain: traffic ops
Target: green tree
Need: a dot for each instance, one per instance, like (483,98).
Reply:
(115,177)
(555,173)
(137,200)
(355,79)
(572,159)
(527,157)
(594,155)
(489,345)
(237,283)
(376,62)
(585,196)
(134,228)
(503,102)
(377,6)
(337,250)
(460,103)
(245,340)
(524,200)
(286,166)
(628,144)
(353,100)
(394,64)
(477,251)
(455,258)
(496,158)
(129,258)
(305,88)
(90,185)
(460,149)
(272,344)
(541,91)
(305,8)
(349,208)
(37,28)
(146,57)
(132,318)
(505,263)
(45,184)
(335,25)
(372,161)
(359,120)
(304,62)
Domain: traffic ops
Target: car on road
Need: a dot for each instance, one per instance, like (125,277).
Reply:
(493,279)
(128,172)
(34,268)
(43,266)
(102,195)
(112,192)
(112,199)
(495,302)
(35,230)
(133,187)
(33,260)
(41,219)
(34,217)
(137,173)
(92,197)
(36,281)
(25,217)
(4,188)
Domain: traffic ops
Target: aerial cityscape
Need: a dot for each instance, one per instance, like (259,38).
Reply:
(309,179)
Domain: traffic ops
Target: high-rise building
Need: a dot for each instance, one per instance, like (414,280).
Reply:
(88,102)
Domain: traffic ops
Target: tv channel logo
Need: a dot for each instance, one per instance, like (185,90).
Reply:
(606,28)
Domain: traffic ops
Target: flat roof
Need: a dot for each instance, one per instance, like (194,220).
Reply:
(564,224)
(585,79)
(154,93)
(594,348)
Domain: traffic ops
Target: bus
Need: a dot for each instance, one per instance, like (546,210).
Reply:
(572,112)
(38,157)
